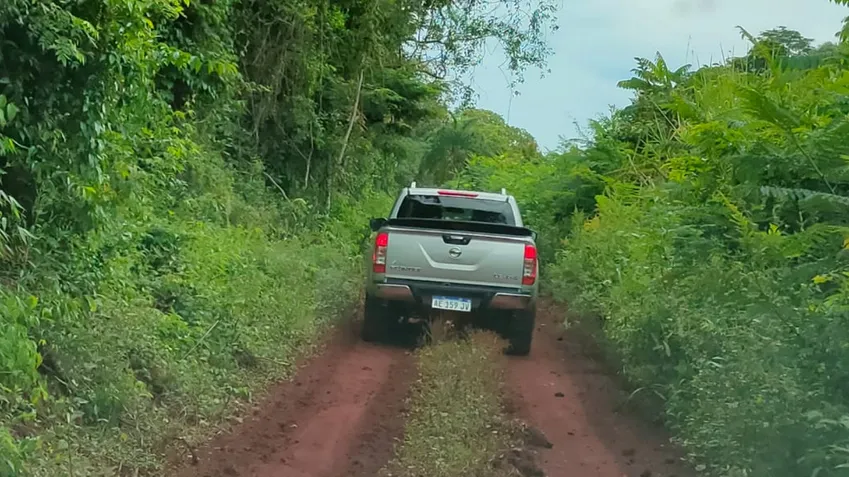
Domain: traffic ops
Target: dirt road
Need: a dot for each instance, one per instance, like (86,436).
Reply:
(566,392)
(339,417)
(344,412)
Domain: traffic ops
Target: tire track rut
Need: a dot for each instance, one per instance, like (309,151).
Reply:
(339,417)
(565,390)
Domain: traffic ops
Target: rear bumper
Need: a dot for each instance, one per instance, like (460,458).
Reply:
(420,293)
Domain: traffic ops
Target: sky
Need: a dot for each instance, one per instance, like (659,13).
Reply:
(598,40)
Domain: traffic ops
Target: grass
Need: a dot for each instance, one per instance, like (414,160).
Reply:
(456,426)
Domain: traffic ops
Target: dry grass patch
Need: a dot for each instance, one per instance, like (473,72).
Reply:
(456,426)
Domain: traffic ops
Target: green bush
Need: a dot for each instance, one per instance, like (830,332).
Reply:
(742,350)
(173,334)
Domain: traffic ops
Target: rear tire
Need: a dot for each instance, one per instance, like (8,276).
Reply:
(520,332)
(375,320)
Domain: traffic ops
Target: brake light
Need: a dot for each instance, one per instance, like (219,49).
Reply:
(529,274)
(378,258)
(455,193)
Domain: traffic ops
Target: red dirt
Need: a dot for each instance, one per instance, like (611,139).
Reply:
(344,411)
(339,417)
(565,392)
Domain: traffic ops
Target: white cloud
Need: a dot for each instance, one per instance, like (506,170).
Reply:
(598,40)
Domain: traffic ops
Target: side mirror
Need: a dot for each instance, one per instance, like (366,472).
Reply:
(376,224)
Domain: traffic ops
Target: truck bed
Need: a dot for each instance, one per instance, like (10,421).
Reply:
(456,252)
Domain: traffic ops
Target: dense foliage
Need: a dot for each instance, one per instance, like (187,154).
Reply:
(707,226)
(183,193)
(183,188)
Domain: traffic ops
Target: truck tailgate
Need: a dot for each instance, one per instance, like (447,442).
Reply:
(455,256)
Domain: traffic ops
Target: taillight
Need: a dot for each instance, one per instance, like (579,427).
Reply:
(378,258)
(529,274)
(457,193)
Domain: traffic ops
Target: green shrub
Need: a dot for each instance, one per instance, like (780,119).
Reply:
(738,347)
(173,341)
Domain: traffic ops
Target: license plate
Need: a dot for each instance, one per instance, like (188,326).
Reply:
(451,303)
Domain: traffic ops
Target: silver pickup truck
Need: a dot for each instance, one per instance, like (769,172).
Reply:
(461,251)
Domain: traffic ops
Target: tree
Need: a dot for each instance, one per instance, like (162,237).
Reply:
(652,77)
(500,136)
(450,147)
(843,34)
(790,42)
(303,60)
(777,47)
(449,36)
(468,133)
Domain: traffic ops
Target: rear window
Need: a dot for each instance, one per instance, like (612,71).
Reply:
(463,209)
